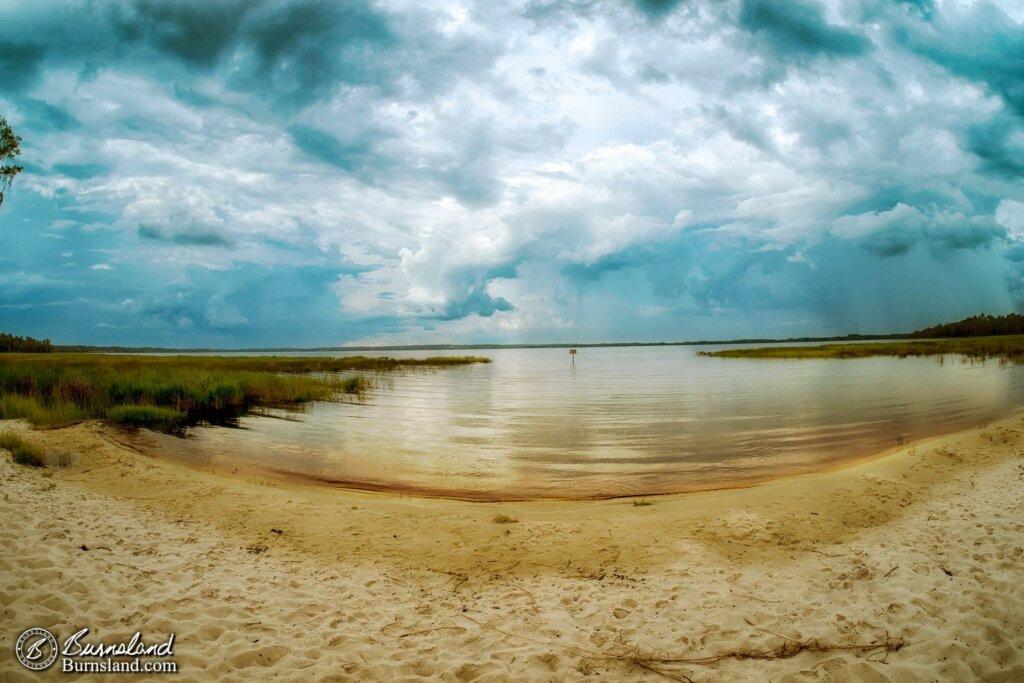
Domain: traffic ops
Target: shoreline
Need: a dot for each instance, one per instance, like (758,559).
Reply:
(261,578)
(156,445)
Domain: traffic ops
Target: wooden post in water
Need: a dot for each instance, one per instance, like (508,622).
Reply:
(572,354)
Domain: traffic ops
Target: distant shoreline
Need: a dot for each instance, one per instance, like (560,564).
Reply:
(462,347)
(981,325)
(1008,348)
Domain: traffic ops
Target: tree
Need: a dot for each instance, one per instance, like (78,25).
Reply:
(10,147)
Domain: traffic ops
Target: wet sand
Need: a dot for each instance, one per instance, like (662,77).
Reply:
(907,567)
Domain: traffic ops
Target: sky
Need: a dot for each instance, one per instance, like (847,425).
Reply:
(239,173)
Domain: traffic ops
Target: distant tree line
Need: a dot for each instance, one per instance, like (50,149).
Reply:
(11,343)
(977,326)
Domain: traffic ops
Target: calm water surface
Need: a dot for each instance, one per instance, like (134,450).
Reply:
(624,421)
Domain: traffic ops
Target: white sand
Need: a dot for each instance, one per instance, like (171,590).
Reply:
(924,546)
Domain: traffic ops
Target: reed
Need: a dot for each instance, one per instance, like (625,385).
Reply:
(172,392)
(1008,349)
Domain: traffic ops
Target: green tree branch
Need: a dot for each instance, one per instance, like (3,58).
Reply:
(10,147)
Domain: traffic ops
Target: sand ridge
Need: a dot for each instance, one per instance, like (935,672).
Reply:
(812,576)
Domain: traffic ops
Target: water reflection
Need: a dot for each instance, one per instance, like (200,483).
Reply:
(625,421)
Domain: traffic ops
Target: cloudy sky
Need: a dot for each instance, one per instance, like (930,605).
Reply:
(244,173)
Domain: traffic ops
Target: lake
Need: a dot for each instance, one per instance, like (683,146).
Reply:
(625,421)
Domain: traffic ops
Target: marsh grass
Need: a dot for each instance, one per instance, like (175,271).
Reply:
(1007,349)
(23,452)
(145,416)
(173,392)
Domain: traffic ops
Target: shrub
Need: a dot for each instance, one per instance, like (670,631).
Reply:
(355,385)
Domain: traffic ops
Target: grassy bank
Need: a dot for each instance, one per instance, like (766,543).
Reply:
(1007,349)
(172,392)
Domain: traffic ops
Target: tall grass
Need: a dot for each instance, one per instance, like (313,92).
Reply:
(176,391)
(23,452)
(1007,349)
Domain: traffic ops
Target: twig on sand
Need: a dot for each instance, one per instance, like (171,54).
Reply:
(777,635)
(533,599)
(929,612)
(682,678)
(79,473)
(889,573)
(754,597)
(420,633)
(458,578)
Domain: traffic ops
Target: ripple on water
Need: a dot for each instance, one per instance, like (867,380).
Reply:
(624,421)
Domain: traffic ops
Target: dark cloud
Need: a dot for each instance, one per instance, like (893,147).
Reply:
(20,64)
(745,126)
(896,230)
(81,171)
(191,96)
(43,117)
(873,10)
(292,53)
(980,43)
(963,234)
(656,9)
(895,241)
(998,145)
(797,28)
(327,148)
(197,237)
(1015,254)
(854,288)
(926,8)
(476,302)
(195,32)
(652,74)
(747,282)
(591,272)
(304,50)
(885,195)
(557,11)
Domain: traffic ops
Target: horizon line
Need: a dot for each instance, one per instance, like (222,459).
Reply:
(441,347)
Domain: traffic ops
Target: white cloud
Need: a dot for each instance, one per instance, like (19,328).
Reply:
(1010,215)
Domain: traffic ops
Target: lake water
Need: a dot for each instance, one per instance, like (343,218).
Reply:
(623,421)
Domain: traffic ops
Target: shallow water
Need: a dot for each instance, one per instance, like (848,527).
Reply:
(623,421)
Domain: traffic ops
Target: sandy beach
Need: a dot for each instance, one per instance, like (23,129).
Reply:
(908,567)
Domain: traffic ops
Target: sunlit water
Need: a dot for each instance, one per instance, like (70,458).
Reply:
(623,421)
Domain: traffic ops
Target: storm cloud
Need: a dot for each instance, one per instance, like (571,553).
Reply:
(307,172)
